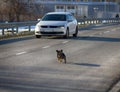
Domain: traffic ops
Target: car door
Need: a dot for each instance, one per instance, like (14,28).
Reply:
(70,24)
(74,23)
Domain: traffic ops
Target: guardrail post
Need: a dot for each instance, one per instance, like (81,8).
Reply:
(94,21)
(29,28)
(90,22)
(12,31)
(16,29)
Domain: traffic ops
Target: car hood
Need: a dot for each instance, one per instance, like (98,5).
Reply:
(52,23)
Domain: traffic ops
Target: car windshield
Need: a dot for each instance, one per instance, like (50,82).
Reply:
(54,17)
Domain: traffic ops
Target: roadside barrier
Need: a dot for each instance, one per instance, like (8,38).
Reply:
(14,26)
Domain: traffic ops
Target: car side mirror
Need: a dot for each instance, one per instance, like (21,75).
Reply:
(69,20)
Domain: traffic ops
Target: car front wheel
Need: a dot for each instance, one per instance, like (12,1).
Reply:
(76,32)
(38,36)
(67,33)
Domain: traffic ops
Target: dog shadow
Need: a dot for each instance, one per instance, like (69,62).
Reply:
(85,64)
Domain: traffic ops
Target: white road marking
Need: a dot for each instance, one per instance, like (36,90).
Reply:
(106,31)
(20,53)
(46,47)
(65,42)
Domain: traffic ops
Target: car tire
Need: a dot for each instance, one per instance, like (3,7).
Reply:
(38,36)
(67,33)
(76,32)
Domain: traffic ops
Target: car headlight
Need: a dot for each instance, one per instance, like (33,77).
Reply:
(62,26)
(37,28)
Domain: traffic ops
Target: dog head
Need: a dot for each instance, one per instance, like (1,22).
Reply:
(59,53)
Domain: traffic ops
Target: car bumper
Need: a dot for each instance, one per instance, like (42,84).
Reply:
(51,32)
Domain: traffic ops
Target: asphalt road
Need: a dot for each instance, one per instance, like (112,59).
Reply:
(93,62)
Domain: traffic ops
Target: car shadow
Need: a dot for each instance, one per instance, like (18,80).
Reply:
(94,38)
(90,38)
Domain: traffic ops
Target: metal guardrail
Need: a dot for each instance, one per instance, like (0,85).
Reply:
(84,21)
(16,25)
(98,20)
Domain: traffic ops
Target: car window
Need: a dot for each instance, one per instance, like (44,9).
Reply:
(73,17)
(70,17)
(54,17)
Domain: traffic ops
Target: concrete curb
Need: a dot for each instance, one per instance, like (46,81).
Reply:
(116,88)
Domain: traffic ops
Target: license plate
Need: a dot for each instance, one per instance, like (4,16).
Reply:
(48,30)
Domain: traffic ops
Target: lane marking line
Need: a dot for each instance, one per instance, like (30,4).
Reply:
(106,31)
(20,53)
(46,47)
(65,42)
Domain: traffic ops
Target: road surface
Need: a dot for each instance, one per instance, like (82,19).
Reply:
(93,62)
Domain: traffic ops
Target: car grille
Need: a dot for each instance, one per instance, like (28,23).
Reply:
(49,26)
(51,32)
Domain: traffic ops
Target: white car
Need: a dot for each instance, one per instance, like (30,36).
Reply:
(57,24)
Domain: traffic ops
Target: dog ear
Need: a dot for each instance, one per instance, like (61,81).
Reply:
(56,50)
(61,50)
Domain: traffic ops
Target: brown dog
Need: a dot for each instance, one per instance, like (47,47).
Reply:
(61,56)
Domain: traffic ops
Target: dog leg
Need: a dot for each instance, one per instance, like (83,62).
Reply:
(59,60)
(65,61)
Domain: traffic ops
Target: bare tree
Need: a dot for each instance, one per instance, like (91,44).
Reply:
(18,9)
(12,9)
(3,9)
